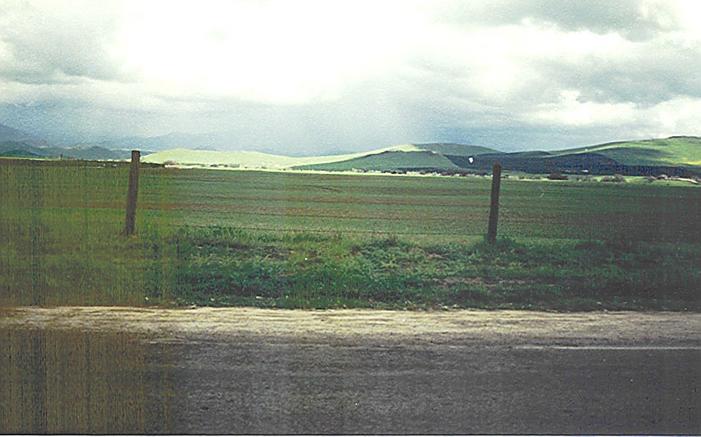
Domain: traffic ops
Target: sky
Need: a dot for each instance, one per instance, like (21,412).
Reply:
(311,76)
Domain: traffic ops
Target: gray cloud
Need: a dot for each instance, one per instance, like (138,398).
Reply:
(626,17)
(495,73)
(48,45)
(651,74)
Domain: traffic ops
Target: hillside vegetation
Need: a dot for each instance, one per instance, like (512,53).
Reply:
(669,151)
(674,156)
(455,149)
(256,159)
(388,161)
(678,156)
(16,149)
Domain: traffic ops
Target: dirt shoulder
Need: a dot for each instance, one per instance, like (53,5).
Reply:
(453,327)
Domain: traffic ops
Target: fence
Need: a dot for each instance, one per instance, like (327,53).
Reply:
(132,194)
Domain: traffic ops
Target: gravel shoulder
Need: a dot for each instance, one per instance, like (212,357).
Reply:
(347,326)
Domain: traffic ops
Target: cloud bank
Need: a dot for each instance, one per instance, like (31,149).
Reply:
(317,75)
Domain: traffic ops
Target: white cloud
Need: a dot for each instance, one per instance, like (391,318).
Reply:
(273,52)
(679,116)
(571,111)
(448,66)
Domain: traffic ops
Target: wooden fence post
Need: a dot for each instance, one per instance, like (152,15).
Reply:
(494,206)
(130,222)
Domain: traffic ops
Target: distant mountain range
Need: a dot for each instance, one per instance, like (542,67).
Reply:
(8,134)
(673,156)
(20,149)
(15,143)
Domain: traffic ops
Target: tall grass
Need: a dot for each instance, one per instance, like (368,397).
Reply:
(60,237)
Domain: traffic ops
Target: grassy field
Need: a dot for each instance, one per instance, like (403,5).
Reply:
(282,239)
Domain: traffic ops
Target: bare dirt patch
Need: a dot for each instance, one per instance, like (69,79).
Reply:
(455,327)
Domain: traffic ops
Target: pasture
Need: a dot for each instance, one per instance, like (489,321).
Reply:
(284,239)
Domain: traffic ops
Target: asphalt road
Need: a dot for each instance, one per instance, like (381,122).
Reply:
(462,372)
(259,388)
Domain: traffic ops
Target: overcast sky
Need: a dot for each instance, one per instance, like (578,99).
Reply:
(318,75)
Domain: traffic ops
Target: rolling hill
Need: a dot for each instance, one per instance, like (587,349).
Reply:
(18,153)
(24,149)
(406,156)
(15,143)
(674,156)
(387,161)
(674,151)
(245,159)
(455,149)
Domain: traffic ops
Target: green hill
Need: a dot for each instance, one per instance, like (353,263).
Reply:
(671,156)
(389,158)
(674,156)
(455,149)
(25,149)
(388,161)
(246,159)
(18,153)
(674,151)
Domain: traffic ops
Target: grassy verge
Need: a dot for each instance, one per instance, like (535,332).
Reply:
(226,266)
(222,266)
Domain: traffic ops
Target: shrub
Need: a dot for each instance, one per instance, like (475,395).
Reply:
(557,176)
(617,178)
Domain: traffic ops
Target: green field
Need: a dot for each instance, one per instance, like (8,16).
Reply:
(315,240)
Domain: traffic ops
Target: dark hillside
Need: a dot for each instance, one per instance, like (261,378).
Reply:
(589,163)
(456,149)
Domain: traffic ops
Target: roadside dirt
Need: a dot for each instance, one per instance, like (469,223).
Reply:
(347,326)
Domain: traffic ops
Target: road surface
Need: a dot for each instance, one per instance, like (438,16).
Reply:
(256,371)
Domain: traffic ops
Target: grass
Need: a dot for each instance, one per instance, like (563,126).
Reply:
(224,266)
(667,151)
(320,241)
